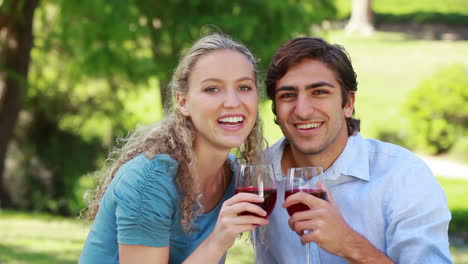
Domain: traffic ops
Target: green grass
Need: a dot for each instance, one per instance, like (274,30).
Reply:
(44,239)
(41,239)
(27,238)
(457,197)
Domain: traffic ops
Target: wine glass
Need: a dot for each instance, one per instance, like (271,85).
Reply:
(304,179)
(257,179)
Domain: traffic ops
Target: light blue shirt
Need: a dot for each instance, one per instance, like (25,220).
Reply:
(142,207)
(384,192)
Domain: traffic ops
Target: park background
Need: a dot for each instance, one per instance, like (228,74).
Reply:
(77,75)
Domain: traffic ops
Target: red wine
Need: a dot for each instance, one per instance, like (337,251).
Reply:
(300,206)
(268,203)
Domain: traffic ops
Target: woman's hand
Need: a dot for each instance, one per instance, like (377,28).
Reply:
(230,223)
(228,226)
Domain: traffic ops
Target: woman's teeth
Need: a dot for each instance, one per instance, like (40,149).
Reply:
(237,119)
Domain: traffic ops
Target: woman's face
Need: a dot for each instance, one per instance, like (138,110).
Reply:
(222,99)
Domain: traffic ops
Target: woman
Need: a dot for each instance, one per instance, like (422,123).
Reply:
(168,198)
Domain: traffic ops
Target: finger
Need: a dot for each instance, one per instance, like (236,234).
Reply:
(301,226)
(235,230)
(318,214)
(305,198)
(292,226)
(247,207)
(311,236)
(248,219)
(244,197)
(245,228)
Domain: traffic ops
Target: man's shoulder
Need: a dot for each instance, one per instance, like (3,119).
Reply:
(392,155)
(381,148)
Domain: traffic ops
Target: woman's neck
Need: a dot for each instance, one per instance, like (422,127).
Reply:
(213,175)
(210,167)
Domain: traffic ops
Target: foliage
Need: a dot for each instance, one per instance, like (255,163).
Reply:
(99,68)
(438,110)
(459,152)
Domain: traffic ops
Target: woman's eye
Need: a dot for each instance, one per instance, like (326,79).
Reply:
(245,88)
(212,89)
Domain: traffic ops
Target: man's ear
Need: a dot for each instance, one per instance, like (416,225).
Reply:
(349,107)
(182,104)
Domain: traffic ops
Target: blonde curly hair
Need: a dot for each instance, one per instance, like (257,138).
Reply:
(174,135)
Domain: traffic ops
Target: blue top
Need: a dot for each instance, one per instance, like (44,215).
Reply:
(141,207)
(384,192)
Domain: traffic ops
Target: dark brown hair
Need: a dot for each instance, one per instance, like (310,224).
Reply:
(334,56)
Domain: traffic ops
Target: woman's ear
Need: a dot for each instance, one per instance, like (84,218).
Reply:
(182,104)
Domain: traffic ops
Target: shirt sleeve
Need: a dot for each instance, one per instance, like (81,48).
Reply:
(418,218)
(146,200)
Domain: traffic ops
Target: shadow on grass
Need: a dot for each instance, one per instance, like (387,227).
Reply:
(421,17)
(24,255)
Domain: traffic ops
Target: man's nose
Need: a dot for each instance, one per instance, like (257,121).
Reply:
(304,107)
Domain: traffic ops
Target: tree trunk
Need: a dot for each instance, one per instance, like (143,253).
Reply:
(362,18)
(16,41)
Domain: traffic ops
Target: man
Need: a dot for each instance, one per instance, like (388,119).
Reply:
(384,205)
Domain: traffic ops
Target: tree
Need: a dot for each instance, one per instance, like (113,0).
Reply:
(16,40)
(362,18)
(262,25)
(94,60)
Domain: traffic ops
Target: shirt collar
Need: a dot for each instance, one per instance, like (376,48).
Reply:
(353,161)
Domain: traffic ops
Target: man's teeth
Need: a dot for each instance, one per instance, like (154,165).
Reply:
(237,119)
(309,125)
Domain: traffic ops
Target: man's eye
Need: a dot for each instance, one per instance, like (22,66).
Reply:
(320,92)
(286,95)
(212,89)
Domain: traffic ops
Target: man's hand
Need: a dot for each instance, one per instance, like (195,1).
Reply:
(326,226)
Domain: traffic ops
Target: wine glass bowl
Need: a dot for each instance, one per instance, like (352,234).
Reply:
(257,179)
(304,179)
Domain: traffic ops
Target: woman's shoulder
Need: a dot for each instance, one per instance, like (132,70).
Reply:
(145,164)
(143,170)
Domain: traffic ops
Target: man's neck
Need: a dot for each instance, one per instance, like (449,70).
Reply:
(325,159)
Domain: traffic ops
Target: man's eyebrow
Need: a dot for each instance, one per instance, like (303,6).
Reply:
(285,88)
(319,84)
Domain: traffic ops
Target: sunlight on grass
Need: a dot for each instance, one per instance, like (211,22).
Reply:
(40,239)
(43,239)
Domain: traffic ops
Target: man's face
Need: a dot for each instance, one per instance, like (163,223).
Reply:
(309,109)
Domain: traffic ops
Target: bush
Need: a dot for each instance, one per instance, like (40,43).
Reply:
(438,110)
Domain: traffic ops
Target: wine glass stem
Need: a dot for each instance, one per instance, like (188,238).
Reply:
(254,242)
(308,249)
